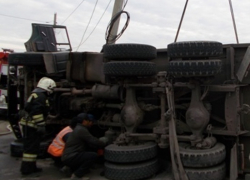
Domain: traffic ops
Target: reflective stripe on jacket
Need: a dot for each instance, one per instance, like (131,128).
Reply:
(57,146)
(37,104)
(29,157)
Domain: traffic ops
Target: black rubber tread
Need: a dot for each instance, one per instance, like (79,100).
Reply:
(131,171)
(130,68)
(191,68)
(202,157)
(211,173)
(129,51)
(193,49)
(26,58)
(126,154)
(16,149)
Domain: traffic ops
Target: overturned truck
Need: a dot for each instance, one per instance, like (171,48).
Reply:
(186,105)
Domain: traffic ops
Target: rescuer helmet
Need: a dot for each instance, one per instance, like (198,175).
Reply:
(47,84)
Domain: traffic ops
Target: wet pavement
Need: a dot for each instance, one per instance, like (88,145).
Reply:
(9,166)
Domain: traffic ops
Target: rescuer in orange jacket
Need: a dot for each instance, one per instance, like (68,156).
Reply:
(33,123)
(56,148)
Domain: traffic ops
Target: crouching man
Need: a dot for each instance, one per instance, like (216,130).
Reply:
(75,154)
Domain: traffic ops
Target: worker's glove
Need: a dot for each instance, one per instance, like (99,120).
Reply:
(41,130)
(104,140)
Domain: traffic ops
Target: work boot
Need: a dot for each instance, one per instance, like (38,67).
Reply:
(96,166)
(66,170)
(74,177)
(36,170)
(102,173)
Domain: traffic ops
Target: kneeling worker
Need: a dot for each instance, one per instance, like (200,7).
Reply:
(56,148)
(75,154)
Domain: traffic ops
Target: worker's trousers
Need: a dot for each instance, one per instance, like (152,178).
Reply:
(31,143)
(81,163)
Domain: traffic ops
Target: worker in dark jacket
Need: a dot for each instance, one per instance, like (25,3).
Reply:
(33,123)
(75,154)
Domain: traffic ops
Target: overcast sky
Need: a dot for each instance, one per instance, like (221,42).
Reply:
(153,22)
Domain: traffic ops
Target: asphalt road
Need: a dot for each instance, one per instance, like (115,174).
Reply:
(9,166)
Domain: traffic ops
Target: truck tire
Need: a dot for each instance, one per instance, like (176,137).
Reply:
(129,51)
(195,49)
(211,173)
(16,149)
(198,158)
(26,59)
(131,171)
(128,154)
(189,68)
(129,68)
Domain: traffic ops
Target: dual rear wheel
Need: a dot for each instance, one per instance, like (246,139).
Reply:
(131,162)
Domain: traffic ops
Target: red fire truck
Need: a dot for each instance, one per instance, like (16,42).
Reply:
(3,79)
